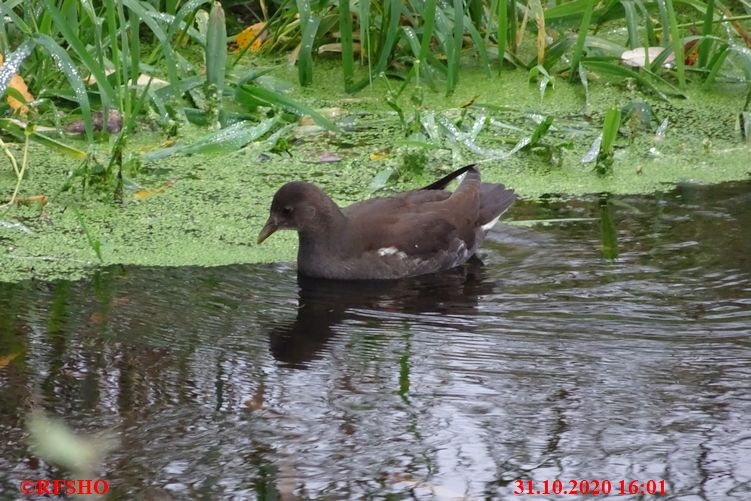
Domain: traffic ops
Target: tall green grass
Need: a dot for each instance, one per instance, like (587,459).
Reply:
(139,57)
(443,37)
(130,57)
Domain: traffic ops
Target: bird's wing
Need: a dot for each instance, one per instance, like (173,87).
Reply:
(421,222)
(409,201)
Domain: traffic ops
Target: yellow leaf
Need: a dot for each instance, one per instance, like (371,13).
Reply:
(7,359)
(17,83)
(379,155)
(251,34)
(40,199)
(142,194)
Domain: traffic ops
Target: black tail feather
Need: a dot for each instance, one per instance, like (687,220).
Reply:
(444,181)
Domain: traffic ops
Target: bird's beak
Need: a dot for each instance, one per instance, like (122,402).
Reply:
(270,227)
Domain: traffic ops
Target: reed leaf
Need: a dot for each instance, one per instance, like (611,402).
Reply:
(705,46)
(265,97)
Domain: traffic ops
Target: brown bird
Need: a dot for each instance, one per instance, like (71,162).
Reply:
(413,233)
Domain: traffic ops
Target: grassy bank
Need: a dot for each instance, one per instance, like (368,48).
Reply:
(206,210)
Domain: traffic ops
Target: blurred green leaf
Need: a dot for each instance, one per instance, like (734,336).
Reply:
(55,442)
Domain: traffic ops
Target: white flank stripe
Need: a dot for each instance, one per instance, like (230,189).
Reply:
(487,226)
(387,251)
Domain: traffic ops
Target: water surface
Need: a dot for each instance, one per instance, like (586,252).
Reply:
(615,346)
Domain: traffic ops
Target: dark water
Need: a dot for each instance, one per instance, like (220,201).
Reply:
(617,347)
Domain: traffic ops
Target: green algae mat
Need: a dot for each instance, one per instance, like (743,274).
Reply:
(206,209)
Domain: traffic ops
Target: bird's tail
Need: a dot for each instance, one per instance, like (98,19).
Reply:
(444,181)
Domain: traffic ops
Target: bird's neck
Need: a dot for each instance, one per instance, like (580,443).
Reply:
(321,247)
(330,228)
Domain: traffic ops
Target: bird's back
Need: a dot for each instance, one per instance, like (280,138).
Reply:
(421,231)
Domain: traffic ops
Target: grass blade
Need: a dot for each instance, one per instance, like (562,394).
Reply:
(541,130)
(680,64)
(581,38)
(714,65)
(428,26)
(395,14)
(13,63)
(364,21)
(455,49)
(608,231)
(585,83)
(216,49)
(480,46)
(607,146)
(309,25)
(65,63)
(110,13)
(539,14)
(632,24)
(512,28)
(345,28)
(705,48)
(502,35)
(150,19)
(108,93)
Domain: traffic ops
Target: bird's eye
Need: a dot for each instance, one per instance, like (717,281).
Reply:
(287,211)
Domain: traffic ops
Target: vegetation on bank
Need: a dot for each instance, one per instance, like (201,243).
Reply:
(127,98)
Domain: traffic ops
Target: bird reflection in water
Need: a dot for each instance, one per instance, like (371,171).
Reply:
(325,304)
